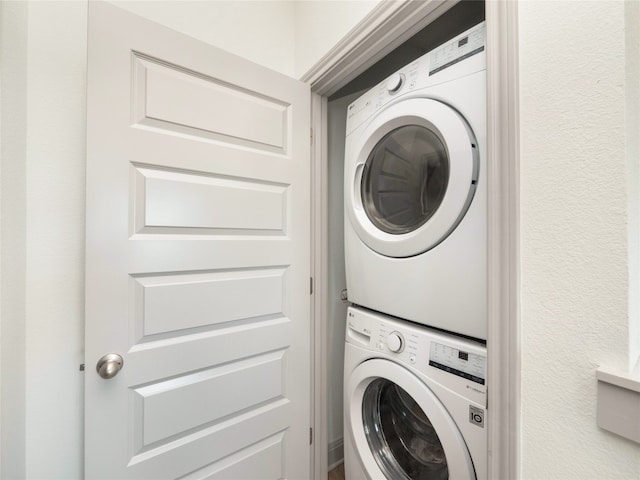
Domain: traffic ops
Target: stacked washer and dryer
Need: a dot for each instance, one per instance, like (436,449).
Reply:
(416,265)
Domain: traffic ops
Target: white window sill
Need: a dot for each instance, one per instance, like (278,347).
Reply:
(619,403)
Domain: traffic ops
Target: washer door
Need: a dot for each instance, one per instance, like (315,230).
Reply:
(411,177)
(401,431)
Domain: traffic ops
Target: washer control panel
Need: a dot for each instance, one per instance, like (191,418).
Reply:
(459,362)
(434,353)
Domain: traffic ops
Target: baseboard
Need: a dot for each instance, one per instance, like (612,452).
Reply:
(336,453)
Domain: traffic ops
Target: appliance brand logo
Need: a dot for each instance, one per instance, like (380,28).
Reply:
(476,416)
(477,390)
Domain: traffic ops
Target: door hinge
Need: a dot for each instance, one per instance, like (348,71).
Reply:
(311,436)
(311,136)
(310,285)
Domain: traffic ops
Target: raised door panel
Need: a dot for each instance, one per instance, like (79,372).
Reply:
(197,259)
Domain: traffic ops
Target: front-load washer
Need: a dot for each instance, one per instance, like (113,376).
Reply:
(416,191)
(414,402)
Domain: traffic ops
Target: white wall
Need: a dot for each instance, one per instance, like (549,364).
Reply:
(574,215)
(258,30)
(337,310)
(321,24)
(56,70)
(289,36)
(13,102)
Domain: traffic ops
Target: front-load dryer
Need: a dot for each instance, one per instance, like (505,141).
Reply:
(415,402)
(416,191)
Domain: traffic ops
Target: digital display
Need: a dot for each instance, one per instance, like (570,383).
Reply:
(458,362)
(457,50)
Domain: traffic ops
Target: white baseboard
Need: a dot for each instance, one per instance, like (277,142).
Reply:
(336,453)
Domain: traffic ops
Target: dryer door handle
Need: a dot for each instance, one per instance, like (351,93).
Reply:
(357,186)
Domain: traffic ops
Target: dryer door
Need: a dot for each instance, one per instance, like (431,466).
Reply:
(400,429)
(411,177)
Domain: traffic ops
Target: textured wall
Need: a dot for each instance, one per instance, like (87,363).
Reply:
(632,119)
(574,235)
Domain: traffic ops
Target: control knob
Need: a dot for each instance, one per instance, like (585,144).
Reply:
(395,342)
(395,82)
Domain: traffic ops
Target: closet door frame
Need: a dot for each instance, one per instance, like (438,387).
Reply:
(384,29)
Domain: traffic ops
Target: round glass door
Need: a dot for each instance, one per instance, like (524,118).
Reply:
(401,437)
(405,179)
(410,176)
(399,428)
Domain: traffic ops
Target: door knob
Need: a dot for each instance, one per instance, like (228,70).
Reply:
(109,365)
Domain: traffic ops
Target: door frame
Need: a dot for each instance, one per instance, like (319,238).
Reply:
(387,26)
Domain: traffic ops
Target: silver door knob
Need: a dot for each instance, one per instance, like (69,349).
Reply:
(109,365)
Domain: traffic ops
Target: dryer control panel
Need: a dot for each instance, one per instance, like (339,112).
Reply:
(456,361)
(460,56)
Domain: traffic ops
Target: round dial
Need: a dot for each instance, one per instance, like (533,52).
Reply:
(395,82)
(395,342)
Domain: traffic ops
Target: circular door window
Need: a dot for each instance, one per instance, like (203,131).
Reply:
(405,179)
(410,176)
(399,428)
(400,435)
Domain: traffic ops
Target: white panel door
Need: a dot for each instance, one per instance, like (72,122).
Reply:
(198,256)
